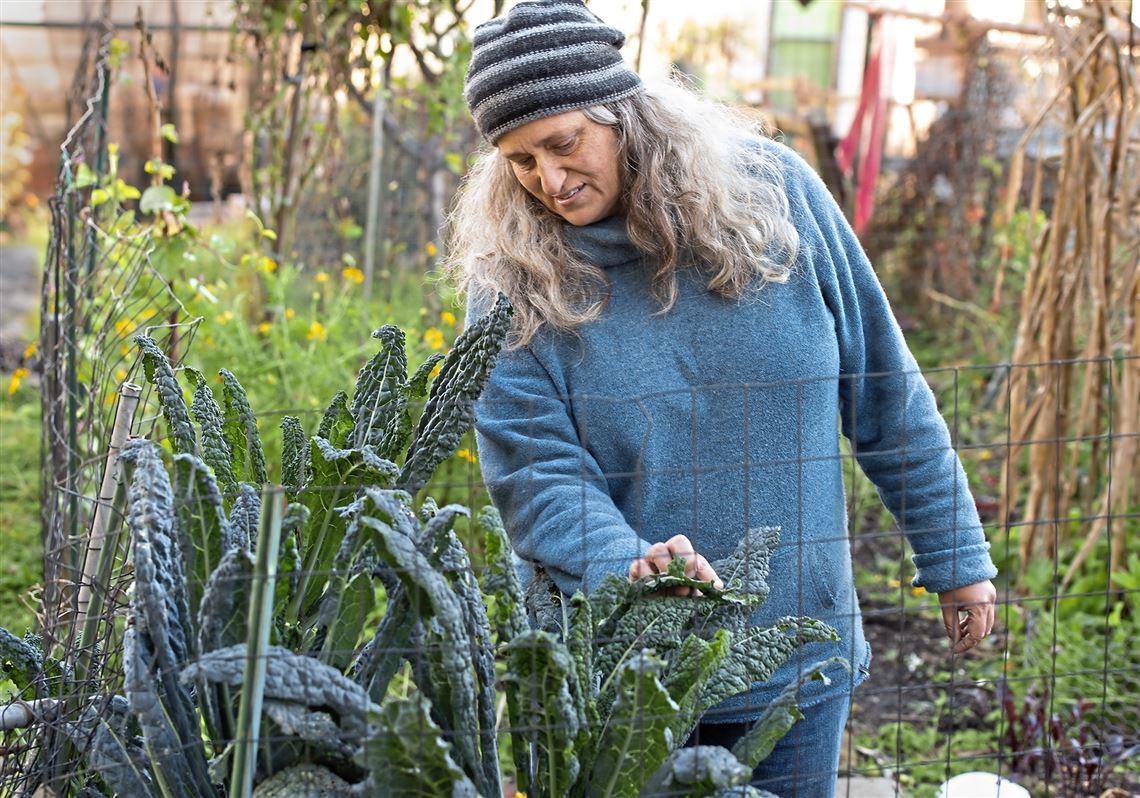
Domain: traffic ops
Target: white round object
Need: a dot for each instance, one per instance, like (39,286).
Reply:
(981,785)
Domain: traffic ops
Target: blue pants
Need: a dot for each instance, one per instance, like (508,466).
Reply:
(805,763)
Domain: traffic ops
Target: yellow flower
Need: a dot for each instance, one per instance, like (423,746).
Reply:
(267,264)
(121,375)
(985,454)
(438,368)
(431,249)
(321,277)
(226,317)
(433,338)
(468,455)
(148,314)
(17,377)
(125,326)
(918,591)
(125,349)
(290,313)
(353,275)
(209,342)
(264,328)
(317,332)
(447,317)
(894,584)
(30,350)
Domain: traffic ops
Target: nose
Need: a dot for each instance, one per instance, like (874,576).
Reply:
(553,177)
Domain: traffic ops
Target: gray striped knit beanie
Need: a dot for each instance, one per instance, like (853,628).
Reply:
(541,58)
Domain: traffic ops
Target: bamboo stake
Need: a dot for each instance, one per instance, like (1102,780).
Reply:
(1080,305)
(129,394)
(21,714)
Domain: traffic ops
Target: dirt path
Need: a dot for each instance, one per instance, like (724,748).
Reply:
(19,298)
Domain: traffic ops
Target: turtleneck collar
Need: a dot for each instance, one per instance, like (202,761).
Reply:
(604,243)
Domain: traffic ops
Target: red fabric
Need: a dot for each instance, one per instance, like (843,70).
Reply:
(864,145)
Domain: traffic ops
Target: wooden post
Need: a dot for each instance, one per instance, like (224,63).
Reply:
(129,394)
(373,224)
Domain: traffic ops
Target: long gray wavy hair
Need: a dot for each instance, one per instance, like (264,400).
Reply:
(689,201)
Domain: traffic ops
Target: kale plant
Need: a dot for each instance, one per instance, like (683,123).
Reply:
(256,657)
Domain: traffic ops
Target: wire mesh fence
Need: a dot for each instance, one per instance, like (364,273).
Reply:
(339,632)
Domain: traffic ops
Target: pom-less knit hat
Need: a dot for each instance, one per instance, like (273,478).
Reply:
(541,58)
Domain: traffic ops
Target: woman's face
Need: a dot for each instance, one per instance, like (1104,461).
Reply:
(569,164)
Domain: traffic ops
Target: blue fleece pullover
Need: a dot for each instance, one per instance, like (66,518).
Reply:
(721,415)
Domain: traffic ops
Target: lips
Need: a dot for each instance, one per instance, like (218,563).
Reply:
(569,196)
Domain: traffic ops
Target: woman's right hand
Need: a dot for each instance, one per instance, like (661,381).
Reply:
(659,555)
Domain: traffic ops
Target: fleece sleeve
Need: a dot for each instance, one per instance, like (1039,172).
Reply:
(888,411)
(549,489)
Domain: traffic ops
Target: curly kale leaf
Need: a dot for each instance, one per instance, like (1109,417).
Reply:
(336,423)
(746,569)
(241,431)
(337,476)
(657,623)
(450,407)
(103,733)
(160,601)
(245,518)
(432,596)
(305,781)
(166,718)
(19,661)
(779,717)
(222,616)
(409,756)
(204,532)
(377,397)
(699,771)
(158,373)
(316,728)
(539,670)
(500,579)
(400,426)
(293,678)
(695,664)
(758,653)
(455,563)
(294,454)
(638,735)
(215,445)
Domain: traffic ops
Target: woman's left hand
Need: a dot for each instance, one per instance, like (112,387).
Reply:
(977,601)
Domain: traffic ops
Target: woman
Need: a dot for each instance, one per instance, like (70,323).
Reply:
(693,316)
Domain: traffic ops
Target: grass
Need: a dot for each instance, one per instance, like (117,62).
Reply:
(19,505)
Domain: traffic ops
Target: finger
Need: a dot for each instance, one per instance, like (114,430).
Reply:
(705,572)
(680,546)
(659,556)
(640,568)
(965,644)
(976,621)
(950,623)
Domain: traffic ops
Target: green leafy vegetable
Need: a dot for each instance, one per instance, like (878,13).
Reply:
(241,431)
(159,374)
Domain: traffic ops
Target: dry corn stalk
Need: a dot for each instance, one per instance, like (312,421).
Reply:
(1074,388)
